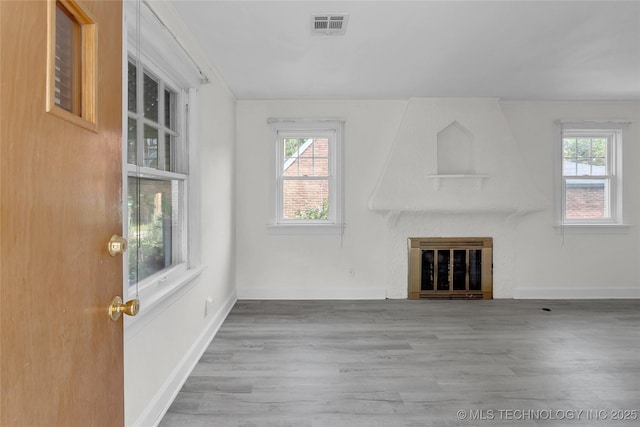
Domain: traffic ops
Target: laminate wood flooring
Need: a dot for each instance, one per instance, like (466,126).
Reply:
(401,363)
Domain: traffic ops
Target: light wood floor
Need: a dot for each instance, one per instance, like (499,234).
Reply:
(400,363)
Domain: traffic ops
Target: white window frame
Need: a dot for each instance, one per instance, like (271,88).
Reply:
(614,131)
(179,243)
(329,128)
(159,290)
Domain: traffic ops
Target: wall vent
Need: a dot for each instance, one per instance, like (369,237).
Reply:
(329,24)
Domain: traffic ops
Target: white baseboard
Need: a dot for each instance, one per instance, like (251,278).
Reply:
(324,293)
(380,293)
(577,293)
(159,405)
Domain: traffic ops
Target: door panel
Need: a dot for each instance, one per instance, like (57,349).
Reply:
(60,183)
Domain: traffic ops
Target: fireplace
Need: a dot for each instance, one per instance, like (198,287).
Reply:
(450,268)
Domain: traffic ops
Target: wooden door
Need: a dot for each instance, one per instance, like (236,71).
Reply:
(61,184)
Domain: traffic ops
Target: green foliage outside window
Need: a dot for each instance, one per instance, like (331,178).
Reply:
(591,151)
(292,145)
(149,227)
(314,212)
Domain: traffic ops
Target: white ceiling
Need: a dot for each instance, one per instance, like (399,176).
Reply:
(552,50)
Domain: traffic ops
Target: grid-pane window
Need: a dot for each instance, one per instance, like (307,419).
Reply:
(308,174)
(156,182)
(305,176)
(590,192)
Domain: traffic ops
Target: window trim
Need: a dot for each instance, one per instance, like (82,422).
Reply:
(615,132)
(303,127)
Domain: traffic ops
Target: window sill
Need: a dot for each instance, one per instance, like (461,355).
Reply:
(164,294)
(592,228)
(305,229)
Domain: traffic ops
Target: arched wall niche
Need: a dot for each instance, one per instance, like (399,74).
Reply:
(455,150)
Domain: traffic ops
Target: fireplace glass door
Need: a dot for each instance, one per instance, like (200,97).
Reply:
(451,269)
(455,268)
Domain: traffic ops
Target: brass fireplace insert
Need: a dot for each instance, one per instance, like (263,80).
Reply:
(450,267)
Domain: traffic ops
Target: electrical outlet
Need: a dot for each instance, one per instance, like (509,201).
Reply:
(208,306)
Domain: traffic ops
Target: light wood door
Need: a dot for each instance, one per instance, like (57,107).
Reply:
(61,184)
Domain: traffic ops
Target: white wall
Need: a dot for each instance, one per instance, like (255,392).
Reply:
(160,355)
(163,347)
(281,266)
(580,265)
(370,259)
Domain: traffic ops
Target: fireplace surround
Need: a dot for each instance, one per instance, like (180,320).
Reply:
(454,169)
(450,268)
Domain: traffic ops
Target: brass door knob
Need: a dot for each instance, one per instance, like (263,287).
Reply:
(117,245)
(117,307)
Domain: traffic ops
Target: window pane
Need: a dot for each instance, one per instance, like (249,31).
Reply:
(170,109)
(132,98)
(584,156)
(583,147)
(599,147)
(152,205)
(321,167)
(292,151)
(168,152)
(599,156)
(291,165)
(306,199)
(599,161)
(306,166)
(150,147)
(291,147)
(586,198)
(132,136)
(569,147)
(583,166)
(321,148)
(306,147)
(66,74)
(150,96)
(569,167)
(306,157)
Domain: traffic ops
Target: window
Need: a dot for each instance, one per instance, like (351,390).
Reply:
(307,192)
(67,72)
(71,68)
(591,185)
(157,178)
(160,146)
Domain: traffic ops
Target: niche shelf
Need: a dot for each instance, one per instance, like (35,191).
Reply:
(476,179)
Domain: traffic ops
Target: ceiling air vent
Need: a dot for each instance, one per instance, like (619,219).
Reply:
(329,24)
